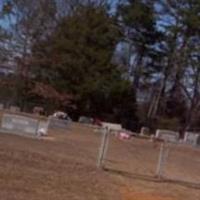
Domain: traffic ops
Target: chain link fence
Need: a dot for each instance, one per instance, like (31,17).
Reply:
(154,160)
(182,164)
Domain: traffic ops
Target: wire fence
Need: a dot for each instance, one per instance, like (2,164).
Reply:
(158,161)
(182,164)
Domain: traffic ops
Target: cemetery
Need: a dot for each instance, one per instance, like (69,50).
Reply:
(100,100)
(31,125)
(72,156)
(102,154)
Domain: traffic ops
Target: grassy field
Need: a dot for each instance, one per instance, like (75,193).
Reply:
(63,166)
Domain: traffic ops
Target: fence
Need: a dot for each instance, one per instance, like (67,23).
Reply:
(17,124)
(23,124)
(182,164)
(152,160)
(30,125)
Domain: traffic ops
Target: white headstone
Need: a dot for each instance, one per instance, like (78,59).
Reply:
(38,110)
(58,123)
(191,138)
(144,131)
(85,120)
(167,135)
(112,127)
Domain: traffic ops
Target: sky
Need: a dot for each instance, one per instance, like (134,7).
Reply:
(163,21)
(4,23)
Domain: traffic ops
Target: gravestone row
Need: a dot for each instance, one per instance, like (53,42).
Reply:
(190,138)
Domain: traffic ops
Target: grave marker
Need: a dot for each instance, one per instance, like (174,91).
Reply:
(58,123)
(112,127)
(38,110)
(144,131)
(191,138)
(167,135)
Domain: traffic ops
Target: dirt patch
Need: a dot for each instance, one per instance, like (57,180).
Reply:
(130,195)
(142,196)
(48,138)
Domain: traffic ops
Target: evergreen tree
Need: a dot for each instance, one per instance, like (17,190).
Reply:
(76,58)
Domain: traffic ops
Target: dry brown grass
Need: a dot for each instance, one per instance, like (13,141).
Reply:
(63,166)
(131,195)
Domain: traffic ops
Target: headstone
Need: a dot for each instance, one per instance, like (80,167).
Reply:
(191,138)
(167,135)
(19,124)
(38,110)
(14,109)
(85,120)
(55,123)
(112,127)
(144,131)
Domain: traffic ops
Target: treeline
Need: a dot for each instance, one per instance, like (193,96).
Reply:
(135,62)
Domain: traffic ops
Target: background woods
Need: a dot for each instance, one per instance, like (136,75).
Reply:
(134,62)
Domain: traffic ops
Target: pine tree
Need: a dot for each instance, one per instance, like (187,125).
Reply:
(76,59)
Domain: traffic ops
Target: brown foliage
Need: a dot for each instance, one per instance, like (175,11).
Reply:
(46,91)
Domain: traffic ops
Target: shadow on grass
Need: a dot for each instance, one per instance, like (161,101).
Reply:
(150,178)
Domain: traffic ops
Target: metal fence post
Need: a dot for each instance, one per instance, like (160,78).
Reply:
(37,128)
(164,153)
(160,162)
(103,148)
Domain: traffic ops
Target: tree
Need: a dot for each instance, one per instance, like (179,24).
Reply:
(4,11)
(26,22)
(76,58)
(140,32)
(182,41)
